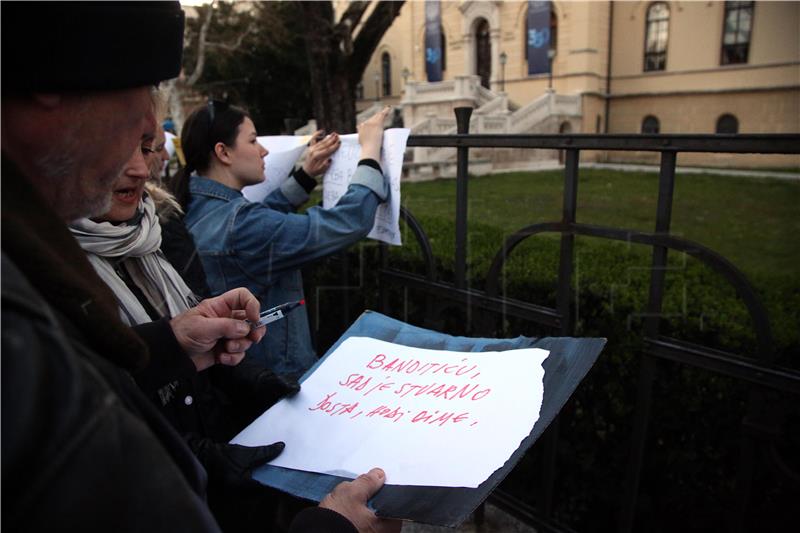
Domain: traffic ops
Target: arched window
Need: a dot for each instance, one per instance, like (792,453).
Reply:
(483,52)
(650,125)
(727,123)
(386,73)
(736,32)
(656,37)
(553,32)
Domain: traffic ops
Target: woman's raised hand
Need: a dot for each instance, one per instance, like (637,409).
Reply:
(320,150)
(370,135)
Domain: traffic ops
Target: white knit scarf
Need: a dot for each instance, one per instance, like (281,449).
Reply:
(137,247)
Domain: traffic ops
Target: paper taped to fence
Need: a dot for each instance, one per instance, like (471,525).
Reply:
(345,161)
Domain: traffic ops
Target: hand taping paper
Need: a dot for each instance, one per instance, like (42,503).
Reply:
(427,417)
(345,161)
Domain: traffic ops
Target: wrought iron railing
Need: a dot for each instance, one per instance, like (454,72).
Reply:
(758,369)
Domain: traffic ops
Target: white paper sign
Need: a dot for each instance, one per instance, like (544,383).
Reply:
(427,417)
(345,161)
(284,151)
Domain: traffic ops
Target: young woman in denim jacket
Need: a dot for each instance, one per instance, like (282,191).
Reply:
(263,246)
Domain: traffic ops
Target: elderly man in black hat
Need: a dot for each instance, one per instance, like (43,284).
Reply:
(82,449)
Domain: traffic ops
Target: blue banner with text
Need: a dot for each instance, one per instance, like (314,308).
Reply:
(433,40)
(538,36)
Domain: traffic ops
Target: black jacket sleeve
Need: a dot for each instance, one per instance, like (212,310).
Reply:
(168,362)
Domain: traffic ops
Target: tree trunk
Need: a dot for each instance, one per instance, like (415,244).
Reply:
(332,94)
(336,61)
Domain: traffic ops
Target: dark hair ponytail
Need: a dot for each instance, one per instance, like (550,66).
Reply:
(206,126)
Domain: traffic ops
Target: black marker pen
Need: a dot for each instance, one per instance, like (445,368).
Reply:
(276,313)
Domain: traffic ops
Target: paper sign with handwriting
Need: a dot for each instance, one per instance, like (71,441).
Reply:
(427,417)
(284,151)
(345,161)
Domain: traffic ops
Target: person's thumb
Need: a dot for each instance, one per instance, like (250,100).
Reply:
(265,454)
(367,485)
(226,328)
(245,458)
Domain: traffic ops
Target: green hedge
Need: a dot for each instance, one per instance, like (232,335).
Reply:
(695,428)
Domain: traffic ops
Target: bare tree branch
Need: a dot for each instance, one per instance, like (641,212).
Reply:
(231,47)
(351,17)
(370,35)
(201,47)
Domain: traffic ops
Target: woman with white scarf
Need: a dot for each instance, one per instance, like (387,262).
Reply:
(123,246)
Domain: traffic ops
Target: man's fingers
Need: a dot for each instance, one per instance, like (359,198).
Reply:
(230,359)
(256,334)
(225,328)
(225,304)
(236,346)
(366,485)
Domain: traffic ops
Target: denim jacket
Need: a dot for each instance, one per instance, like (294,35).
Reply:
(263,245)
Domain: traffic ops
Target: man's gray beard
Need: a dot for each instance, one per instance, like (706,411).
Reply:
(59,175)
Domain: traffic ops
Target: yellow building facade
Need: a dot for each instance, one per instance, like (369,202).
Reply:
(616,67)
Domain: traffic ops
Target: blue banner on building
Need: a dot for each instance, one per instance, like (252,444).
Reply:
(433,40)
(538,25)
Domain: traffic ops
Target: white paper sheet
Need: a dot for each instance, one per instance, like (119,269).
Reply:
(427,417)
(284,151)
(345,161)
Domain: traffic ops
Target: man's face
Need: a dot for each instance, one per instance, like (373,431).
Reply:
(127,190)
(101,133)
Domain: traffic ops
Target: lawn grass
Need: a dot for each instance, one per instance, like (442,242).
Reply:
(752,222)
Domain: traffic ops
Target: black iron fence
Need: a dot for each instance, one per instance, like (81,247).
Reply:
(757,369)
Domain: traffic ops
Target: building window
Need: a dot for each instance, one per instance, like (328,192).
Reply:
(656,37)
(386,74)
(553,33)
(483,52)
(650,125)
(736,32)
(727,123)
(443,48)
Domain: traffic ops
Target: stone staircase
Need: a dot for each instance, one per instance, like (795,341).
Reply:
(496,116)
(428,109)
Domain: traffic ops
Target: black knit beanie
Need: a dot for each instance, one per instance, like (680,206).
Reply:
(80,46)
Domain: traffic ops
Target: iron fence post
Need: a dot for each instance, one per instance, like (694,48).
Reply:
(647,371)
(462,175)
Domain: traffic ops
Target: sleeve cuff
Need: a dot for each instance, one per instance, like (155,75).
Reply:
(371,163)
(372,178)
(304,180)
(294,192)
(168,361)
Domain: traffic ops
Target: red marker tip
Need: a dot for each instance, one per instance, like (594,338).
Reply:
(302,302)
